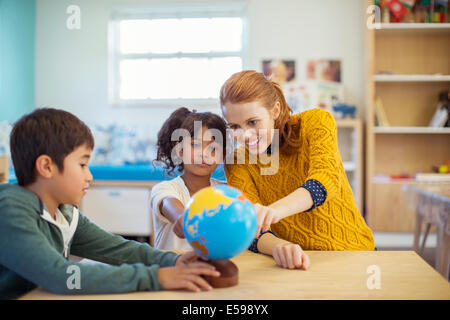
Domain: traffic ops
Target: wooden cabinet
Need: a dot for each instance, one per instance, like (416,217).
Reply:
(408,66)
(120,207)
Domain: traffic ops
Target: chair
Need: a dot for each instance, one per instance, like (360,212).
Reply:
(432,205)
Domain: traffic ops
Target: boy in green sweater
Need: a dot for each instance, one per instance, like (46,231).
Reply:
(40,224)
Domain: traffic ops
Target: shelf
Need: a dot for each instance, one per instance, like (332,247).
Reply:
(349,131)
(411,130)
(349,166)
(394,181)
(411,78)
(347,123)
(415,26)
(407,181)
(408,66)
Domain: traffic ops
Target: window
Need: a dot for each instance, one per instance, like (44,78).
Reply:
(174,57)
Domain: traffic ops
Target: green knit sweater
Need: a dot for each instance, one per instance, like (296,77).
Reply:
(31,253)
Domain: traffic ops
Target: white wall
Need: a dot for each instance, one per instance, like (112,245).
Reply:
(71,66)
(311,29)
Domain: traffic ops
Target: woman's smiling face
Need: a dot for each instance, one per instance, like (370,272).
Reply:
(252,124)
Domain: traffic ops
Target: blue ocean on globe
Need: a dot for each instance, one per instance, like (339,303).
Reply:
(219,222)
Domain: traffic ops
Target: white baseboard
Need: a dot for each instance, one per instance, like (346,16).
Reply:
(401,240)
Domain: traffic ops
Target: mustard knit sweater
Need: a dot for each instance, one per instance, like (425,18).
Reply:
(336,224)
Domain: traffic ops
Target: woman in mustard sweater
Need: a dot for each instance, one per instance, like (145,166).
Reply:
(297,182)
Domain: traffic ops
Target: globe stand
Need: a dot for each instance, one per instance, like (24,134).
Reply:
(228,274)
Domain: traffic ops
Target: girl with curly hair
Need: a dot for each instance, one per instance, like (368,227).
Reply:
(194,144)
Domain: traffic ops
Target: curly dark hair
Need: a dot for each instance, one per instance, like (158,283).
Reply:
(183,118)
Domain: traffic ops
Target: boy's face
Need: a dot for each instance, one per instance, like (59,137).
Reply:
(70,185)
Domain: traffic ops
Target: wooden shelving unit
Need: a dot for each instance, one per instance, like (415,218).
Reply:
(408,65)
(350,147)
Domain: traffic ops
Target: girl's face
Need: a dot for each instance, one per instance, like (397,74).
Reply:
(252,124)
(201,154)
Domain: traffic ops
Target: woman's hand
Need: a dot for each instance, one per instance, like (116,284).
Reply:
(290,256)
(266,216)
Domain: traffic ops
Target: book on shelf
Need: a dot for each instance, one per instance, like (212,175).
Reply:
(419,177)
(433,177)
(388,178)
(441,117)
(380,114)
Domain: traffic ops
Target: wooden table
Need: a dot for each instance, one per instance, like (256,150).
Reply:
(332,275)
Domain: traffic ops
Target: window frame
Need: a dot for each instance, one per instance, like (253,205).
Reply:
(232,9)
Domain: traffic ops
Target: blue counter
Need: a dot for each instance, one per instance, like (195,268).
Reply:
(141,172)
(12,176)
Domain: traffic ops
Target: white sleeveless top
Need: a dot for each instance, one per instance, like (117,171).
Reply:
(165,238)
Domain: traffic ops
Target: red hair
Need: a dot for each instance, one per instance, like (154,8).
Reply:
(248,86)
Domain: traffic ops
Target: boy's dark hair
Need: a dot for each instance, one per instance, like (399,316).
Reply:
(183,118)
(48,131)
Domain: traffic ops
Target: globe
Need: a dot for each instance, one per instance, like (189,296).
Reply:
(219,222)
